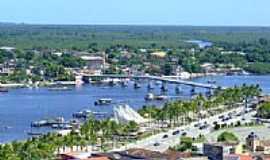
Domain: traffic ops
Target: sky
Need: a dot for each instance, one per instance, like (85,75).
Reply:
(138,12)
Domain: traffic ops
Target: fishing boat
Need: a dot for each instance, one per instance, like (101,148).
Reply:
(103,101)
(149,97)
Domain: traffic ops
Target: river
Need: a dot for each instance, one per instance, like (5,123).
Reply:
(19,107)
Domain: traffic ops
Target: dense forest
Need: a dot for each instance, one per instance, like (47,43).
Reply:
(80,36)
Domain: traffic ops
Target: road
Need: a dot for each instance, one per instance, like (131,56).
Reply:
(191,130)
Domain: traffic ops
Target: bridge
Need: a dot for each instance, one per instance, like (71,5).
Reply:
(157,78)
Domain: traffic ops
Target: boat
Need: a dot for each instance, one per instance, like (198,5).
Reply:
(157,83)
(48,122)
(61,126)
(164,88)
(137,85)
(178,90)
(149,97)
(161,97)
(34,133)
(150,87)
(211,82)
(103,101)
(86,113)
(41,123)
(3,90)
(124,84)
(59,89)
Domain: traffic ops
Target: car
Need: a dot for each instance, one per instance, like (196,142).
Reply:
(197,125)
(203,127)
(221,117)
(165,136)
(156,144)
(184,133)
(176,132)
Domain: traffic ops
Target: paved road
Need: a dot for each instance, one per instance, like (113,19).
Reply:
(191,131)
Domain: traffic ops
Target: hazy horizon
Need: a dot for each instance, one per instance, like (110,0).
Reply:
(151,12)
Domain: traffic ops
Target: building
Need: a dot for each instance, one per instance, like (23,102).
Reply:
(8,49)
(255,144)
(213,152)
(217,151)
(237,157)
(94,64)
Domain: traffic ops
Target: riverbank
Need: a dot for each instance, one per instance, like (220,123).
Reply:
(41,84)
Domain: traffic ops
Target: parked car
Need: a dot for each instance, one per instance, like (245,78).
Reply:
(156,144)
(176,132)
(165,136)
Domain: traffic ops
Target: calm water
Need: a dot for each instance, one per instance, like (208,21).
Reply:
(19,107)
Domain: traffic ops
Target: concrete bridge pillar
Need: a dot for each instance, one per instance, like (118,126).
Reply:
(164,87)
(178,89)
(150,85)
(192,91)
(209,92)
(136,84)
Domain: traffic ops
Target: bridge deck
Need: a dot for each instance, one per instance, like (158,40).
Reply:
(163,79)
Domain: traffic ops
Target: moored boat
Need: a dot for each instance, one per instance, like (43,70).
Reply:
(149,97)
(161,97)
(103,101)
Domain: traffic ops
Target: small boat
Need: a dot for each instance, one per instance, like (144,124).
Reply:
(112,83)
(137,85)
(61,126)
(158,83)
(150,87)
(59,89)
(124,84)
(211,82)
(86,113)
(164,88)
(34,133)
(149,97)
(178,90)
(161,97)
(4,90)
(103,101)
(40,123)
